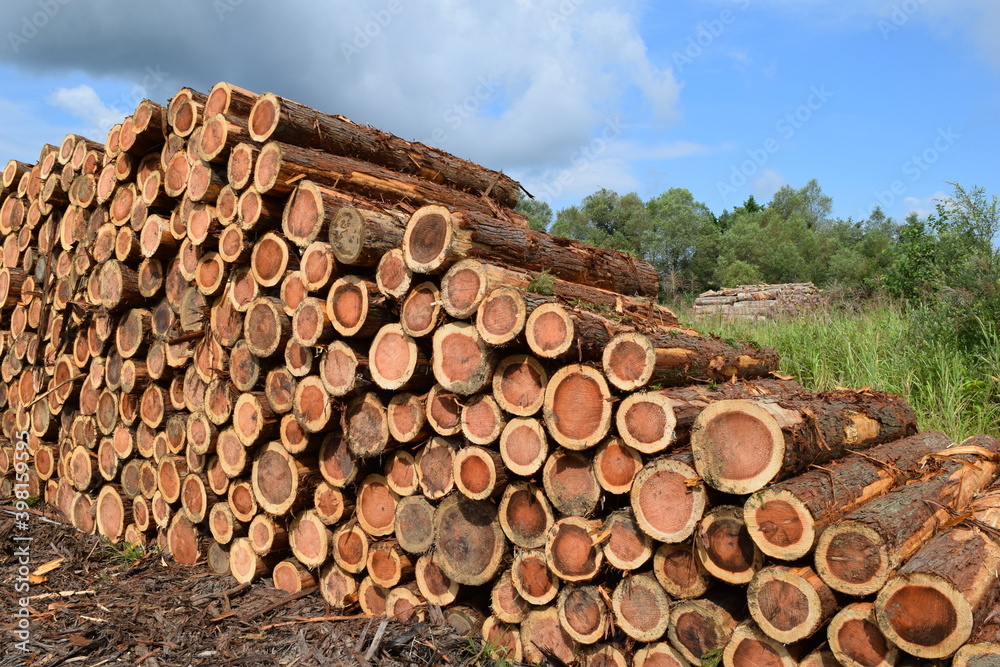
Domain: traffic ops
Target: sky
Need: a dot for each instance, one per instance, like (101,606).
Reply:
(883,102)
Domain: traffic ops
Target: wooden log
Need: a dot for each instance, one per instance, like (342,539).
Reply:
(275,118)
(503,641)
(519,384)
(479,473)
(468,541)
(267,536)
(360,237)
(196,498)
(245,564)
(403,603)
(350,548)
(525,515)
(388,565)
(948,589)
(641,607)
(266,327)
(312,406)
(786,518)
(627,548)
(338,587)
(724,545)
(570,484)
(983,650)
(225,98)
(255,211)
(280,482)
(112,514)
(790,603)
(242,501)
(84,474)
(407,418)
(270,259)
(659,654)
(571,550)
(413,524)
(330,504)
(356,309)
(482,420)
(577,407)
(583,614)
(650,421)
(532,578)
(392,276)
(371,597)
(401,473)
(436,238)
(821,657)
(239,169)
(543,636)
(678,356)
(704,626)
(434,584)
(396,362)
(742,445)
(336,462)
(183,540)
(749,647)
(309,538)
(435,467)
(506,603)
(253,419)
(292,576)
(365,426)
(856,640)
(223,524)
(524,446)
(668,499)
(616,466)
(861,551)
(279,389)
(421,310)
(376,506)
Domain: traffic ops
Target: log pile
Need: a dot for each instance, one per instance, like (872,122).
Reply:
(303,350)
(758,302)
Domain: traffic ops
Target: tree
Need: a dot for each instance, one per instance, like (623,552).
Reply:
(539,212)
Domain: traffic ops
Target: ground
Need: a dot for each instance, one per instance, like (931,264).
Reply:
(99,606)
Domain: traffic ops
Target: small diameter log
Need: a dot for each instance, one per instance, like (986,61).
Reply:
(318,266)
(266,327)
(626,548)
(660,654)
(668,499)
(270,259)
(82,516)
(414,524)
(524,446)
(482,420)
(543,637)
(435,239)
(277,478)
(330,504)
(365,426)
(519,384)
(183,540)
(223,524)
(948,589)
(242,501)
(371,598)
(267,535)
(376,506)
(443,411)
(292,576)
(577,407)
(463,362)
(245,564)
(506,603)
(790,603)
(84,474)
(339,588)
(464,621)
(641,607)
(309,538)
(253,419)
(355,308)
(821,657)
(479,473)
(742,445)
(434,584)
(525,515)
(680,356)
(421,310)
(396,363)
(503,640)
(401,473)
(616,466)
(857,641)
(749,647)
(699,627)
(407,418)
(232,453)
(336,462)
(392,276)
(533,580)
(388,565)
(404,604)
(724,545)
(435,467)
(360,237)
(468,541)
(570,484)
(170,472)
(344,370)
(983,650)
(786,518)
(350,548)
(572,550)
(112,514)
(196,497)
(858,553)
(583,613)
(312,406)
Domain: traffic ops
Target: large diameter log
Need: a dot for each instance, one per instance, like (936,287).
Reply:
(858,553)
(857,641)
(668,499)
(724,546)
(679,356)
(948,588)
(577,407)
(742,445)
(469,543)
(650,421)
(309,538)
(790,603)
(436,238)
(641,607)
(786,518)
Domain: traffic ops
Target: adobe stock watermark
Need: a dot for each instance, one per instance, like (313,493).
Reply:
(21,616)
(705,34)
(913,169)
(562,12)
(584,157)
(152,79)
(458,113)
(35,22)
(900,14)
(786,128)
(365,32)
(224,7)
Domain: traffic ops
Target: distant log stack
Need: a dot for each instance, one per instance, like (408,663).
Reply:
(759,302)
(317,354)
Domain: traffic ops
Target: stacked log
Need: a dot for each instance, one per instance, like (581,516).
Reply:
(758,302)
(246,331)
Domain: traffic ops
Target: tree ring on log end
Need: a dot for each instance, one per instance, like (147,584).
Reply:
(738,446)
(463,287)
(852,558)
(577,407)
(665,505)
(646,422)
(427,238)
(501,316)
(780,524)
(469,543)
(629,360)
(924,614)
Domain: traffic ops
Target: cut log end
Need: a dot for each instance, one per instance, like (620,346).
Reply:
(646,422)
(584,614)
(749,647)
(525,515)
(725,547)
(853,558)
(524,446)
(570,549)
(629,361)
(427,239)
(641,607)
(924,614)
(780,524)
(857,641)
(668,500)
(462,361)
(577,407)
(469,543)
(519,384)
(738,446)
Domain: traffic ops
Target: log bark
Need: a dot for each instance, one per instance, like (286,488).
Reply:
(861,551)
(742,445)
(786,518)
(436,238)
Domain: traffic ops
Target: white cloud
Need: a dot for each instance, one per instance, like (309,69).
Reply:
(926,206)
(84,103)
(768,183)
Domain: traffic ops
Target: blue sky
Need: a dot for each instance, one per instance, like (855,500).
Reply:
(882,102)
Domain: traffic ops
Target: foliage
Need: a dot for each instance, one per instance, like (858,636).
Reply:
(543,283)
(539,213)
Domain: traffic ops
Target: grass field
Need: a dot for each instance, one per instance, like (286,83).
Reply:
(881,346)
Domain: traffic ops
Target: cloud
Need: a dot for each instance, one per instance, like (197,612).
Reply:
(925,206)
(768,183)
(84,103)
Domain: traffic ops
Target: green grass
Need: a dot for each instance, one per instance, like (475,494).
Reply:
(882,346)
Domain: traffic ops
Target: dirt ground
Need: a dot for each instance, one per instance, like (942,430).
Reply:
(97,608)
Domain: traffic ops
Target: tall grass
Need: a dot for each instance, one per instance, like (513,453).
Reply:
(881,345)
